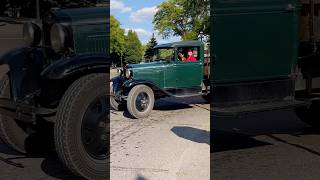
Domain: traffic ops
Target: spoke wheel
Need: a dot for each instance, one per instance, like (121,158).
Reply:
(140,101)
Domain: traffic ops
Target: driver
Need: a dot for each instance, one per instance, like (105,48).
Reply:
(191,58)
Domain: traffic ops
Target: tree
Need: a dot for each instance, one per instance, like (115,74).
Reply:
(184,18)
(149,52)
(117,41)
(134,51)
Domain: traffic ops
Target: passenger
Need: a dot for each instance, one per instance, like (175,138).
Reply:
(191,58)
(181,56)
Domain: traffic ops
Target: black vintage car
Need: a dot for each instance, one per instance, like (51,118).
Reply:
(58,83)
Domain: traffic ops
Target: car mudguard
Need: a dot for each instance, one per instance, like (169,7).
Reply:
(129,84)
(25,65)
(77,66)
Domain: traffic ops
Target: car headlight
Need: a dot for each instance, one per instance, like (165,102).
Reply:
(120,72)
(31,34)
(128,73)
(58,37)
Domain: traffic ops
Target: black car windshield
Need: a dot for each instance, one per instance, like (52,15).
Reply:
(162,54)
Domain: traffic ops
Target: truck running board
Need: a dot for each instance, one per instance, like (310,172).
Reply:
(257,107)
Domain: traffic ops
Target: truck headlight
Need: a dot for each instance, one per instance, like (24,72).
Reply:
(129,73)
(31,34)
(58,37)
(120,72)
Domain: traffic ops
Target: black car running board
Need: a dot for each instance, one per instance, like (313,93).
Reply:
(238,110)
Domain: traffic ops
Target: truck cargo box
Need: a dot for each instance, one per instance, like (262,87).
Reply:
(254,40)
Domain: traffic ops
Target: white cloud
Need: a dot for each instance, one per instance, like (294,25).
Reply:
(144,14)
(118,5)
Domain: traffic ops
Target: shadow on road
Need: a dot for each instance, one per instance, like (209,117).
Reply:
(240,133)
(171,104)
(227,141)
(140,177)
(53,167)
(192,134)
(39,150)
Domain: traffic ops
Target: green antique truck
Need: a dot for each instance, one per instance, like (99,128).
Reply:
(264,56)
(54,88)
(177,70)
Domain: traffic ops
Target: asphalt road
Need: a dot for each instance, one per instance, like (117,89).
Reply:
(265,146)
(173,143)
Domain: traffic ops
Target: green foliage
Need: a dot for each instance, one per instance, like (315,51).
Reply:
(117,38)
(149,52)
(124,48)
(134,49)
(165,54)
(184,18)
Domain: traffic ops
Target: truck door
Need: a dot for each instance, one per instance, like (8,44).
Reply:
(189,73)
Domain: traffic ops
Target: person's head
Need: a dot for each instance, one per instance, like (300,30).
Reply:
(190,53)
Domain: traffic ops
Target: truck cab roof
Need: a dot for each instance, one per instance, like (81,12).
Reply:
(180,44)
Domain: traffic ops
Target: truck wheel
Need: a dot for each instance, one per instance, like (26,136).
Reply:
(10,131)
(140,101)
(115,105)
(310,115)
(207,97)
(81,129)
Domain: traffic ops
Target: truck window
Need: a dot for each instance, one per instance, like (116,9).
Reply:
(189,54)
(163,54)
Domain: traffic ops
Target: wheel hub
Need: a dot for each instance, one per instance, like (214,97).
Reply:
(94,129)
(142,101)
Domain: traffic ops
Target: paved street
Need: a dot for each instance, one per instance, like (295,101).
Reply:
(171,144)
(265,146)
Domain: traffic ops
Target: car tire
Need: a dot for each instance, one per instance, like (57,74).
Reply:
(207,97)
(81,119)
(10,132)
(143,108)
(310,115)
(115,105)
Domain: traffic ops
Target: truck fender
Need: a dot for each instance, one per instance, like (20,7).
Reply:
(77,66)
(128,85)
(25,64)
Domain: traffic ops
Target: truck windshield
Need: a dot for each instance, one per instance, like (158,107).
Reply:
(163,54)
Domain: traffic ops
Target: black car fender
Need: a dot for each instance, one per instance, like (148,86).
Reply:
(79,65)
(25,65)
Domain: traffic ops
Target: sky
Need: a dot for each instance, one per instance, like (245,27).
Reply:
(138,15)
